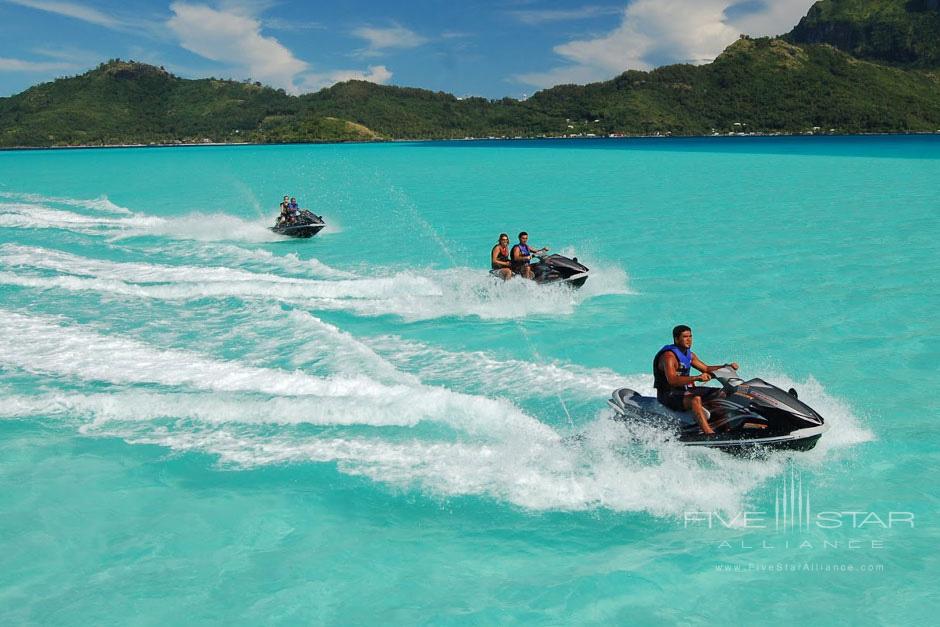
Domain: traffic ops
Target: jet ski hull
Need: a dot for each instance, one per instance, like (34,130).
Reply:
(560,269)
(299,230)
(557,269)
(306,225)
(576,280)
(750,417)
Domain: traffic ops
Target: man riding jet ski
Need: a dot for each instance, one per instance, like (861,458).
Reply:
(548,269)
(740,416)
(296,222)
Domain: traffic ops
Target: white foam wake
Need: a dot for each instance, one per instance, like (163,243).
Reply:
(231,254)
(604,469)
(43,345)
(498,375)
(226,409)
(27,257)
(412,295)
(204,227)
(102,203)
(31,216)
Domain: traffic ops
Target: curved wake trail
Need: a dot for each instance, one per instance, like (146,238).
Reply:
(226,408)
(43,345)
(31,216)
(410,295)
(511,377)
(205,227)
(290,263)
(202,227)
(102,203)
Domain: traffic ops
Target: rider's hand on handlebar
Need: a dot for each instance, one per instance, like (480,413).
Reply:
(704,377)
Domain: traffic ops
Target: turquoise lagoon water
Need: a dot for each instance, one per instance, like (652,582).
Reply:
(203,422)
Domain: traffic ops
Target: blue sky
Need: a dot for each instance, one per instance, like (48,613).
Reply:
(490,48)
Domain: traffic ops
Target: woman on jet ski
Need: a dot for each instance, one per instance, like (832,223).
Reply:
(284,216)
(499,258)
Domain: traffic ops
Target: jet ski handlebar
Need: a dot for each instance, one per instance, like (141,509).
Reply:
(728,377)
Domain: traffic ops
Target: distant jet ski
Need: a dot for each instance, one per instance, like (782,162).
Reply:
(558,269)
(751,415)
(305,224)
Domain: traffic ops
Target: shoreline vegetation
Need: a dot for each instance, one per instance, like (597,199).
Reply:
(850,67)
(206,144)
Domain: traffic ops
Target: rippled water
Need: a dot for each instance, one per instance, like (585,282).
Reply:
(202,421)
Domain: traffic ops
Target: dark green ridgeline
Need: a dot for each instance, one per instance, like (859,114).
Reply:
(905,33)
(853,66)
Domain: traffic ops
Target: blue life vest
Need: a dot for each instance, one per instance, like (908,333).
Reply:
(660,382)
(517,266)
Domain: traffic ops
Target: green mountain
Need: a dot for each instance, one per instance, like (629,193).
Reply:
(899,32)
(849,65)
(760,85)
(122,102)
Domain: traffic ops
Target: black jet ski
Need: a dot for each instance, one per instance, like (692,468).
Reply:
(306,224)
(557,269)
(748,416)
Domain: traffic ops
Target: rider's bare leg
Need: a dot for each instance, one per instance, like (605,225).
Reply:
(694,402)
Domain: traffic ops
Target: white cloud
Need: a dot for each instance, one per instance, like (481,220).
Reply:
(69,54)
(278,23)
(246,7)
(535,16)
(386,38)
(378,74)
(138,24)
(18,65)
(564,75)
(72,9)
(232,35)
(235,38)
(773,17)
(657,32)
